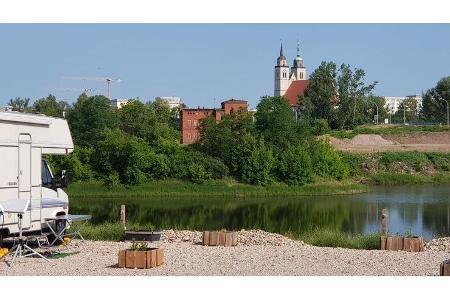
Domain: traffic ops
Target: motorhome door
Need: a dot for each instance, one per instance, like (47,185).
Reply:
(24,176)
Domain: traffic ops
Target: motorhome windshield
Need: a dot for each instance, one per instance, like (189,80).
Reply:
(47,177)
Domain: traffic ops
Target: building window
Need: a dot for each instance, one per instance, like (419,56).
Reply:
(189,136)
(195,124)
(189,123)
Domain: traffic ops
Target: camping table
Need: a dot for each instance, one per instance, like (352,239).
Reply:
(69,220)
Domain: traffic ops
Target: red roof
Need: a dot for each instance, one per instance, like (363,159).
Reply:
(295,89)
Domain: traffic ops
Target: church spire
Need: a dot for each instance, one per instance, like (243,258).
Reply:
(298,48)
(281,50)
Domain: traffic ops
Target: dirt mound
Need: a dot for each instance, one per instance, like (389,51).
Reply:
(369,139)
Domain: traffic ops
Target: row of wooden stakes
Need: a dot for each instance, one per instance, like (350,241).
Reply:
(219,238)
(150,258)
(397,243)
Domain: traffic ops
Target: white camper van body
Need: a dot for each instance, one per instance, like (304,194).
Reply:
(24,175)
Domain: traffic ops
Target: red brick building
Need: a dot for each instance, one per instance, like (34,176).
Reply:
(190,118)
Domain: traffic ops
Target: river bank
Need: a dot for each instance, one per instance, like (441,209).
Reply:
(229,188)
(258,253)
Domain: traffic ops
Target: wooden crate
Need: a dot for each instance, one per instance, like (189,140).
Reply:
(150,258)
(219,238)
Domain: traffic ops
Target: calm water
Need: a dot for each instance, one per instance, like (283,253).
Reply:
(425,210)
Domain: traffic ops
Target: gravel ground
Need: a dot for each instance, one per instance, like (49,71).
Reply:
(257,253)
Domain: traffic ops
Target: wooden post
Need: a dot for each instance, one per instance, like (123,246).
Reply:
(123,216)
(384,221)
(445,268)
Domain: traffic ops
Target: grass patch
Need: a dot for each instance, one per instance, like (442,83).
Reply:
(387,129)
(178,188)
(109,231)
(334,238)
(102,232)
(61,255)
(407,179)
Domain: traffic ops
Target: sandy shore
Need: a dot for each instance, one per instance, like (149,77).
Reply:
(258,253)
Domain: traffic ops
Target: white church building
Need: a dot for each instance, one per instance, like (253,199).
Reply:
(290,82)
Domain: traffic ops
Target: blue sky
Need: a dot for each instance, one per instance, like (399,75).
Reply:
(203,62)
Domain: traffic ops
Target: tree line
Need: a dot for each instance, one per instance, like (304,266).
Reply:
(141,141)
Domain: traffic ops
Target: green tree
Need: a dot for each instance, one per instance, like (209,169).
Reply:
(220,139)
(407,111)
(352,93)
(78,164)
(50,106)
(372,102)
(255,160)
(337,95)
(320,96)
(142,121)
(434,107)
(295,166)
(19,104)
(89,117)
(275,121)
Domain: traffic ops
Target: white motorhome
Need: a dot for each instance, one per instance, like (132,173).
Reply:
(25,139)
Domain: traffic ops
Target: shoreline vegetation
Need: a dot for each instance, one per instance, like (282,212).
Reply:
(212,188)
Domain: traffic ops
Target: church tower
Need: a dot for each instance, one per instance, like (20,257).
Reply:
(281,75)
(298,70)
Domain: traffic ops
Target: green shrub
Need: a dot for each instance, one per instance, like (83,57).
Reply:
(319,126)
(441,161)
(294,166)
(415,160)
(180,162)
(326,161)
(258,166)
(354,161)
(198,173)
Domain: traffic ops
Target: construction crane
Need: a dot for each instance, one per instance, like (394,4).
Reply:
(108,80)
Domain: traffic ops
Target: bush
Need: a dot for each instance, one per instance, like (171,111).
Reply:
(181,161)
(198,174)
(441,161)
(295,167)
(259,163)
(326,161)
(354,161)
(319,126)
(415,160)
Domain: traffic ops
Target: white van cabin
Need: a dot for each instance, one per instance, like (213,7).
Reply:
(25,139)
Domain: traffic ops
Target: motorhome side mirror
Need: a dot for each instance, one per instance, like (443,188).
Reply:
(64,179)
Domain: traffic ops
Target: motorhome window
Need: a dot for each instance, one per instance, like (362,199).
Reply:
(46,175)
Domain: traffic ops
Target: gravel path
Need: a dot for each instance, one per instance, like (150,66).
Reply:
(258,253)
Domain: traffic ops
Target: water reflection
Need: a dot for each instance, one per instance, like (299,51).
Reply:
(424,210)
